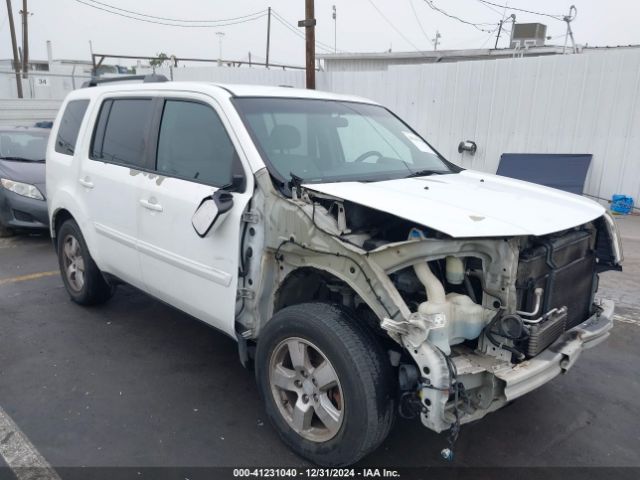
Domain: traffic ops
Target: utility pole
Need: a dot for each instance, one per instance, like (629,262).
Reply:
(573,12)
(436,40)
(512,17)
(25,39)
(14,45)
(268,36)
(335,31)
(309,24)
(498,36)
(220,36)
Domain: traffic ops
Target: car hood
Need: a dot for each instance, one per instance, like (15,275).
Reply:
(32,173)
(471,204)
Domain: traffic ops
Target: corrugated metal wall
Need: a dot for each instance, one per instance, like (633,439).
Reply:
(588,103)
(27,111)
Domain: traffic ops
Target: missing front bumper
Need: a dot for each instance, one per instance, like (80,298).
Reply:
(559,357)
(492,382)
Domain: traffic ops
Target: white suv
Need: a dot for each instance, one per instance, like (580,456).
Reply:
(360,272)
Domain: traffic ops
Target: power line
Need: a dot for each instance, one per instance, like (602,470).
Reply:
(283,21)
(477,26)
(177,20)
(302,36)
(294,29)
(557,17)
(157,22)
(489,37)
(493,9)
(393,26)
(415,14)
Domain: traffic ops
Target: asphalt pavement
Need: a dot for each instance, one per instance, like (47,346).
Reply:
(137,383)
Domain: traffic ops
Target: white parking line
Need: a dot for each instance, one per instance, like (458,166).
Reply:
(20,454)
(622,319)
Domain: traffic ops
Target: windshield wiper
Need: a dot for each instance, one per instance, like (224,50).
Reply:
(424,173)
(21,159)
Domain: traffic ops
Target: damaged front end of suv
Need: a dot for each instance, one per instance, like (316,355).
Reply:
(470,323)
(479,288)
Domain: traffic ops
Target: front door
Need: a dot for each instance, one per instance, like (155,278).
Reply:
(195,156)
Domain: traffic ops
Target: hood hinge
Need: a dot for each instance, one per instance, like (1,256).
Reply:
(246,293)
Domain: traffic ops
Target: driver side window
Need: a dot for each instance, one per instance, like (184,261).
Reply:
(194,144)
(365,135)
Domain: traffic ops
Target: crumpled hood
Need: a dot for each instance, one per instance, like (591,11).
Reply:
(32,173)
(471,204)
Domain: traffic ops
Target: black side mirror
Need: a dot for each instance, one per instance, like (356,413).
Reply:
(212,211)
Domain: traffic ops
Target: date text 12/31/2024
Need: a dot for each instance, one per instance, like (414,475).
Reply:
(315,473)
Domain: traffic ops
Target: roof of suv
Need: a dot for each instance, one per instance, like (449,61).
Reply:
(233,90)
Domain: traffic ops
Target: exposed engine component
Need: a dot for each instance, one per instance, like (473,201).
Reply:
(543,334)
(461,318)
(455,270)
(563,265)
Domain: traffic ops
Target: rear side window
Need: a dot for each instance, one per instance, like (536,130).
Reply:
(70,126)
(121,131)
(194,144)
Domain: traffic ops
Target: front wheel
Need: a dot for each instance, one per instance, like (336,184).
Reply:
(326,382)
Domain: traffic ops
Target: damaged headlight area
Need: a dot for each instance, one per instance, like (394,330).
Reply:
(492,319)
(470,323)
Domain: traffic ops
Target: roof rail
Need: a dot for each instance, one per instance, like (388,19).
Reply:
(145,79)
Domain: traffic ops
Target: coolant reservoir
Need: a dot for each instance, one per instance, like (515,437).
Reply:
(466,321)
(463,320)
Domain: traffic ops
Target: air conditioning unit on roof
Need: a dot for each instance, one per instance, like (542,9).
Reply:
(524,35)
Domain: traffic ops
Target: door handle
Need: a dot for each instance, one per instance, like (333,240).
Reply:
(151,205)
(86,182)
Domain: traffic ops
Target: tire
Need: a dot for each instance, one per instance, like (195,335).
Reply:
(86,286)
(363,391)
(5,231)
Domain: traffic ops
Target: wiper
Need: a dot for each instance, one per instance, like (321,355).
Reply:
(295,181)
(424,173)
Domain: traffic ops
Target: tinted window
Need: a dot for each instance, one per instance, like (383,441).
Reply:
(121,131)
(194,144)
(70,126)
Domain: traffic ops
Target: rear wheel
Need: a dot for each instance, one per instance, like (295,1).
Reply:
(82,278)
(326,382)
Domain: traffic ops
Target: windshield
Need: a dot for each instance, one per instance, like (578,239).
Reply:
(24,146)
(329,141)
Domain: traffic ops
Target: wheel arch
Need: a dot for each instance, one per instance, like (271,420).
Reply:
(312,284)
(60,216)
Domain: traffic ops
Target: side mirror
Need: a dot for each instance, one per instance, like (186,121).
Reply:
(212,212)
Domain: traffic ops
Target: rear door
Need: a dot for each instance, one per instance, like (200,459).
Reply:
(194,156)
(109,182)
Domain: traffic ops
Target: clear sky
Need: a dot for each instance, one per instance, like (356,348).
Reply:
(402,25)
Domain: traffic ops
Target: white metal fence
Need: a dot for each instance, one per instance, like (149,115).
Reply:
(244,75)
(40,85)
(587,103)
(27,111)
